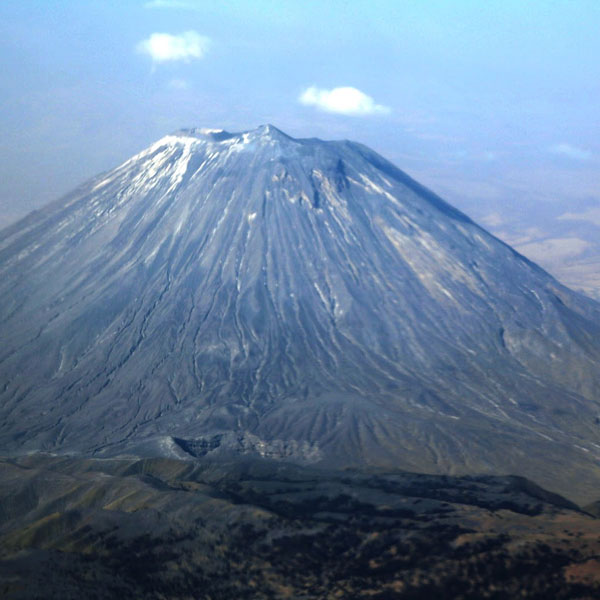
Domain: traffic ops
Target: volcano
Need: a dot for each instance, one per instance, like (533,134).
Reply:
(297,299)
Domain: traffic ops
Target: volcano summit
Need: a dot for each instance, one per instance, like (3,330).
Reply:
(253,293)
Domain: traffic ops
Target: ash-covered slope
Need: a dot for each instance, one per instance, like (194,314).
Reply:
(297,298)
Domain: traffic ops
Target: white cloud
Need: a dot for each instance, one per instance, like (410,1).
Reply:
(163,47)
(342,100)
(571,151)
(519,238)
(554,249)
(494,219)
(591,215)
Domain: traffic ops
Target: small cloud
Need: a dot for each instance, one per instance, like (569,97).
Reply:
(591,215)
(520,238)
(553,249)
(163,47)
(342,100)
(178,84)
(571,152)
(493,220)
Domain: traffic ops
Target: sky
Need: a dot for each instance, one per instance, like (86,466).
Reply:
(493,105)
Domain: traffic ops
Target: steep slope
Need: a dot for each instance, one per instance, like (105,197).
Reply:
(296,298)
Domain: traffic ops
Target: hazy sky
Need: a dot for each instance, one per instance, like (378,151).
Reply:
(493,104)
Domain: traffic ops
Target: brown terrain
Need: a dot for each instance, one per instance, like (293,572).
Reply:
(84,528)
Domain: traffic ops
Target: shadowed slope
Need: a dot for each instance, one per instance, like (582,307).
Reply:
(80,528)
